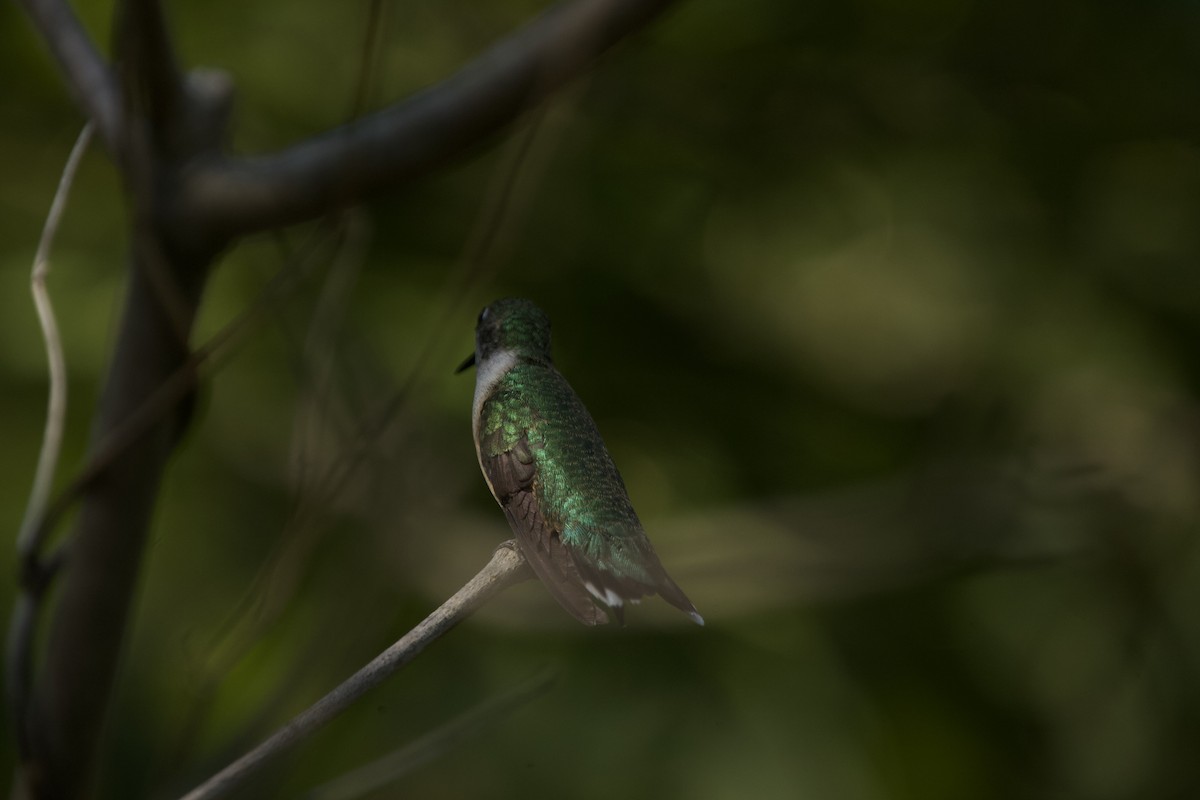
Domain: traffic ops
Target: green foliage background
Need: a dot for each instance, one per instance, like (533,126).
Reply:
(888,311)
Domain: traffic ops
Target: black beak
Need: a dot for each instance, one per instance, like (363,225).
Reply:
(470,362)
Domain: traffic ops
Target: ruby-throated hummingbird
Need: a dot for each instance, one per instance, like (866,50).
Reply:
(548,469)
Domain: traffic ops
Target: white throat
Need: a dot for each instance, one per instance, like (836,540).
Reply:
(487,374)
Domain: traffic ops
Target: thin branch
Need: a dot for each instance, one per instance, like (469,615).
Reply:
(27,543)
(87,74)
(505,568)
(21,631)
(342,166)
(379,773)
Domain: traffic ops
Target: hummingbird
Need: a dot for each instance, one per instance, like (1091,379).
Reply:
(546,465)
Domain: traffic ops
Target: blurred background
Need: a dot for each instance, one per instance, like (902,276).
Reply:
(888,312)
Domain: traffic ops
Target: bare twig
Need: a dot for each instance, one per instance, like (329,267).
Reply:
(340,167)
(28,541)
(56,410)
(87,74)
(505,568)
(374,776)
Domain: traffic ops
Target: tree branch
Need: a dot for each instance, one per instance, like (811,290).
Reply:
(104,552)
(150,77)
(506,568)
(29,542)
(239,196)
(88,76)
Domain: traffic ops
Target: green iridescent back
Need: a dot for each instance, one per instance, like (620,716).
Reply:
(577,486)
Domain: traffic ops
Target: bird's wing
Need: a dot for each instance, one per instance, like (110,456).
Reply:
(508,464)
